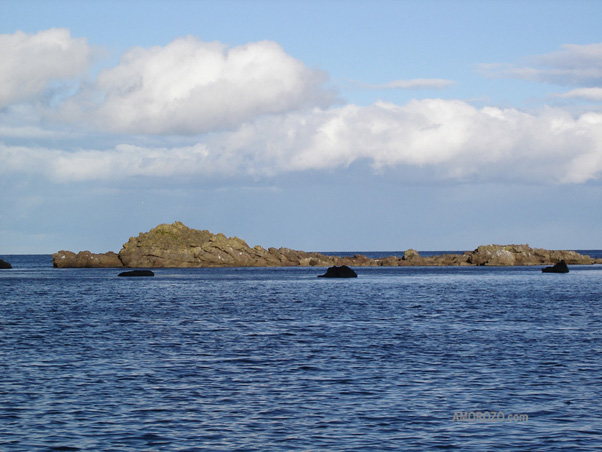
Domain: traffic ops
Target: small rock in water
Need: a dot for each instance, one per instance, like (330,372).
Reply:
(560,267)
(5,265)
(137,273)
(339,272)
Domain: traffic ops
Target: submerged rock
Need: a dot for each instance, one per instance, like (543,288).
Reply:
(5,265)
(560,267)
(339,272)
(137,273)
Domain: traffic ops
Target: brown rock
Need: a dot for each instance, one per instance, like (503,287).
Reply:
(85,259)
(390,261)
(445,260)
(501,255)
(176,245)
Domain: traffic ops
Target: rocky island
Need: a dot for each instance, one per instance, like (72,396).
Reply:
(176,245)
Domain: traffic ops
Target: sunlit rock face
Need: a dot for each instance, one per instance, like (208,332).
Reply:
(504,255)
(176,245)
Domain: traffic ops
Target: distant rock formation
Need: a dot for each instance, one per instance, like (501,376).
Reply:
(339,272)
(5,265)
(176,245)
(136,273)
(498,255)
(560,267)
(85,259)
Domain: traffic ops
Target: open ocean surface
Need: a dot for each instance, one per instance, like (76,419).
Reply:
(275,359)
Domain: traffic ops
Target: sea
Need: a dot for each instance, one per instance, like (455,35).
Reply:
(276,359)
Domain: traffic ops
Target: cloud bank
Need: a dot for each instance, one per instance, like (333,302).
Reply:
(255,111)
(455,140)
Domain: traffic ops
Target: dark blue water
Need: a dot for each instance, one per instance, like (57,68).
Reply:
(278,360)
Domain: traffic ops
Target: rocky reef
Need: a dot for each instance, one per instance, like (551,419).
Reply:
(176,245)
(85,259)
(524,255)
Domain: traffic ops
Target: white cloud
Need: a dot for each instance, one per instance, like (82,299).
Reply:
(31,61)
(579,65)
(593,94)
(456,140)
(417,83)
(265,111)
(190,87)
(453,139)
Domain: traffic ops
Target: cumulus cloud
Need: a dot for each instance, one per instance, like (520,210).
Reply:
(190,87)
(31,61)
(579,65)
(453,139)
(456,140)
(417,83)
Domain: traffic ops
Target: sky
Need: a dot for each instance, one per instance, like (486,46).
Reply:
(318,125)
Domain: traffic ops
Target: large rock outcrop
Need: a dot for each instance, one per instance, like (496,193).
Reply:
(176,245)
(5,265)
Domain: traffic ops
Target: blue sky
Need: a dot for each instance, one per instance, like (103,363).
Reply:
(331,125)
